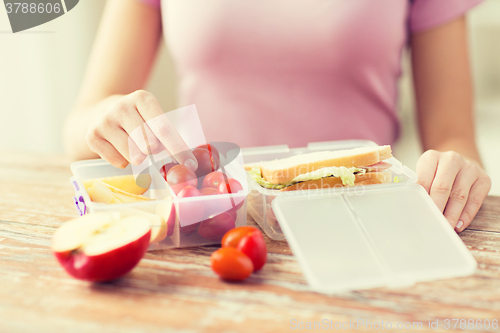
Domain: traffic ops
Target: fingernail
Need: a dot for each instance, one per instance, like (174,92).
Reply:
(459,226)
(191,164)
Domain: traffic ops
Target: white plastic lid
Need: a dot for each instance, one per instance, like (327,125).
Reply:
(388,235)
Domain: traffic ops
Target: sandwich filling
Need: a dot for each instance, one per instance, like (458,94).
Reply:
(347,175)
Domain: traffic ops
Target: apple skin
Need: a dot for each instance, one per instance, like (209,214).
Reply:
(107,266)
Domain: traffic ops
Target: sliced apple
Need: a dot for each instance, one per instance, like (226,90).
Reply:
(166,209)
(101,246)
(102,192)
(125,183)
(99,192)
(162,223)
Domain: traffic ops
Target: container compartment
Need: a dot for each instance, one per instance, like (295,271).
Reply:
(332,245)
(390,235)
(191,212)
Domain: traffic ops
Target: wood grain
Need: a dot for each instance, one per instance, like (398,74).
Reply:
(175,290)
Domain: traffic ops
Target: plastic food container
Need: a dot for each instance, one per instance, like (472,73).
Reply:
(191,213)
(359,237)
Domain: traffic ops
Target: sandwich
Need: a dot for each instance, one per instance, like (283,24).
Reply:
(325,169)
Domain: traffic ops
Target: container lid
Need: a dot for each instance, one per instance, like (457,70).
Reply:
(372,236)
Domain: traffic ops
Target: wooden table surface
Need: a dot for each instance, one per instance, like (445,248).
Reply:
(176,291)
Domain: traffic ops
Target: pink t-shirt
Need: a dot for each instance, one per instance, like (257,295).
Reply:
(291,72)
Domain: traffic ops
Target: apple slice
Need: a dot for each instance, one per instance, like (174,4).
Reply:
(166,210)
(102,192)
(125,183)
(101,246)
(99,192)
(162,223)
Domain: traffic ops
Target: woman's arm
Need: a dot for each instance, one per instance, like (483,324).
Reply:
(450,170)
(110,105)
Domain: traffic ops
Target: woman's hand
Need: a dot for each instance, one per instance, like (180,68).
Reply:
(457,186)
(135,126)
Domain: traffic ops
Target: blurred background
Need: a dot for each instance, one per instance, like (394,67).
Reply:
(41,70)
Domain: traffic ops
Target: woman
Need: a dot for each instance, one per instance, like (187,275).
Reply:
(274,72)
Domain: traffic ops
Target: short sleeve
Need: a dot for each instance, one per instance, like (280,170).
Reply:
(426,14)
(155,3)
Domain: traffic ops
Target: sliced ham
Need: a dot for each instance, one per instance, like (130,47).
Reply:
(380,166)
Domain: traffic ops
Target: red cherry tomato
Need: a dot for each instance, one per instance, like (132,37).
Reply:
(179,176)
(189,229)
(208,191)
(232,237)
(233,212)
(214,179)
(205,162)
(215,155)
(164,169)
(215,227)
(231,264)
(254,246)
(230,186)
(189,191)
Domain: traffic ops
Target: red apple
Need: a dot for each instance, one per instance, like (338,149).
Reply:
(101,246)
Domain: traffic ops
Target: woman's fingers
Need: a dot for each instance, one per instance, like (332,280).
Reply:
(106,150)
(163,129)
(477,194)
(456,185)
(459,194)
(133,124)
(426,168)
(449,165)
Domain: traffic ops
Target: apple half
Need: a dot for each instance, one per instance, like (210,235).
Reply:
(101,246)
(162,221)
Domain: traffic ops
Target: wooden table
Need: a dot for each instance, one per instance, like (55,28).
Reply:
(175,290)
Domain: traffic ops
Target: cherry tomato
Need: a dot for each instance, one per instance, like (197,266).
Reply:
(230,186)
(208,191)
(233,212)
(164,169)
(189,229)
(205,162)
(231,264)
(254,246)
(232,237)
(189,191)
(215,227)
(214,179)
(179,176)
(215,155)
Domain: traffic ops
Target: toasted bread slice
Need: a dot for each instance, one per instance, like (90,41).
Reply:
(328,182)
(284,170)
